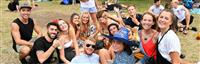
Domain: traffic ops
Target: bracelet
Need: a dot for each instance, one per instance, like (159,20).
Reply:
(53,46)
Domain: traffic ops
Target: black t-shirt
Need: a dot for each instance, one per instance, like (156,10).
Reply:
(25,30)
(40,44)
(130,22)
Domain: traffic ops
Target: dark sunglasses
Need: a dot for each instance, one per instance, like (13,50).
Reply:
(89,45)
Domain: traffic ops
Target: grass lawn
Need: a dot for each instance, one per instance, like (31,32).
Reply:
(52,10)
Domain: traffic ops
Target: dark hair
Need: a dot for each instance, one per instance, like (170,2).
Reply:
(127,49)
(156,1)
(112,24)
(154,19)
(173,26)
(54,24)
(71,20)
(100,13)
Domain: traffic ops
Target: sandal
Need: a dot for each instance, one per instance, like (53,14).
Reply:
(185,31)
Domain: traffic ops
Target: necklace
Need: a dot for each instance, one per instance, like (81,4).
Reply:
(147,35)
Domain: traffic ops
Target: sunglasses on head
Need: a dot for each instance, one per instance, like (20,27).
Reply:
(89,45)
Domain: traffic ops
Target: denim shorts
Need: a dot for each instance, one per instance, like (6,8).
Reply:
(90,10)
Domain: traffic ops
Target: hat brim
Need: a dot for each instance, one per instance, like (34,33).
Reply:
(26,7)
(127,42)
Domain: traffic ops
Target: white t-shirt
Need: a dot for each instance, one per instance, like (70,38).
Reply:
(88,4)
(169,43)
(179,12)
(156,10)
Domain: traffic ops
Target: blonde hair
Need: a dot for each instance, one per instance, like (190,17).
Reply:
(89,21)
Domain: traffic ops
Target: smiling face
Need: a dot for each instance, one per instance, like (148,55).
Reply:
(25,12)
(118,46)
(85,18)
(62,25)
(131,10)
(147,21)
(76,19)
(89,47)
(52,31)
(164,20)
(102,20)
(113,29)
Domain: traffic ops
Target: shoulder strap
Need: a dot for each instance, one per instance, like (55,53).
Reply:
(157,42)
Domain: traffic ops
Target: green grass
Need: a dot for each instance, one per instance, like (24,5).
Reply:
(52,10)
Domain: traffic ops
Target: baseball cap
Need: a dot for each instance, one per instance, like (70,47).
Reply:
(25,5)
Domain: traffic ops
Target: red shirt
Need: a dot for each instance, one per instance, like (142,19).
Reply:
(149,47)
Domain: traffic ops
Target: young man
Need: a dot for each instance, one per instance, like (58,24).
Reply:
(183,15)
(44,46)
(156,8)
(134,19)
(21,31)
(88,56)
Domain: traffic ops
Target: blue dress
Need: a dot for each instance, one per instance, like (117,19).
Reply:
(124,58)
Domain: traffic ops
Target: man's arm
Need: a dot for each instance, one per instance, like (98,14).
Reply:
(44,55)
(37,29)
(16,35)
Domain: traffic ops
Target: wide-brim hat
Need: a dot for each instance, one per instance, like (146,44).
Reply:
(121,35)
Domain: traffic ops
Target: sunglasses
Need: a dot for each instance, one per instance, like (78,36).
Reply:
(89,45)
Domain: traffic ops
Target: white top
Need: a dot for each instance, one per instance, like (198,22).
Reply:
(85,59)
(156,10)
(68,44)
(179,12)
(169,43)
(88,4)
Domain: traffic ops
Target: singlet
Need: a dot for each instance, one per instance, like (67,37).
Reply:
(179,12)
(88,4)
(149,47)
(68,44)
(25,30)
(156,10)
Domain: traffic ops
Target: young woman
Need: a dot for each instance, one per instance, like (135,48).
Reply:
(68,42)
(122,47)
(148,36)
(75,22)
(88,29)
(169,48)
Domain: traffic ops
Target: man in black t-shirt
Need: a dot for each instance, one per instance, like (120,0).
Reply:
(134,19)
(21,31)
(43,48)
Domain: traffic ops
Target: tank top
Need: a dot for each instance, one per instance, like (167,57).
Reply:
(88,4)
(68,44)
(149,47)
(179,12)
(25,30)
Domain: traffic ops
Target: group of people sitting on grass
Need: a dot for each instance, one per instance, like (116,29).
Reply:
(103,37)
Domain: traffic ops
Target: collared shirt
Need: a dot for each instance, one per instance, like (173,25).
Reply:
(124,58)
(86,59)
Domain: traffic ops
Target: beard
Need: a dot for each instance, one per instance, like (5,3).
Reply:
(51,36)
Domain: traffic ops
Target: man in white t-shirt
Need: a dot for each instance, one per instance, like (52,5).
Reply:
(183,15)
(156,8)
